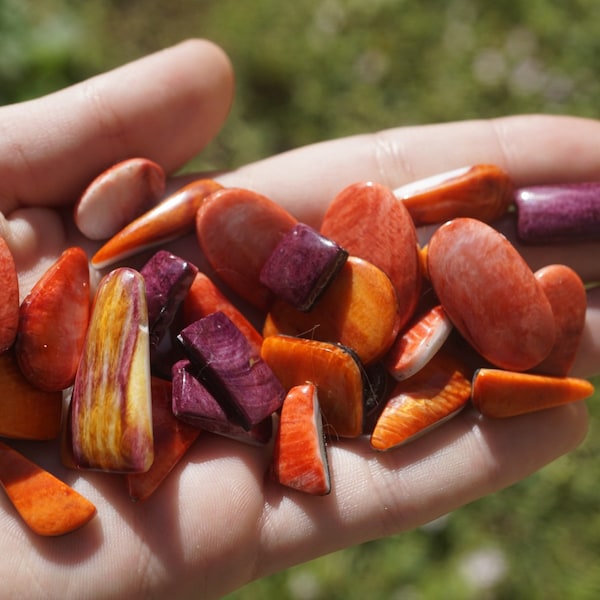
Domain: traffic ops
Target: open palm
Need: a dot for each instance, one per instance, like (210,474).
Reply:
(217,522)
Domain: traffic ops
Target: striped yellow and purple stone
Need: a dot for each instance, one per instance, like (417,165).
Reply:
(111,403)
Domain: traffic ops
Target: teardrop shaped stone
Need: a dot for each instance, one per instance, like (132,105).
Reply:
(238,230)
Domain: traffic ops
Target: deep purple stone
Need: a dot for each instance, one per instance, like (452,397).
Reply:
(558,213)
(168,279)
(242,382)
(195,405)
(301,266)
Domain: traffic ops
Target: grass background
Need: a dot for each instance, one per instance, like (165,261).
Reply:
(312,70)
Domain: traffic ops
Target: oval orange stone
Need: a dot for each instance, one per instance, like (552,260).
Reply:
(238,230)
(490,294)
(369,222)
(359,309)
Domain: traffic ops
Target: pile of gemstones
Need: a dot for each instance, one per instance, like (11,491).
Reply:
(363,331)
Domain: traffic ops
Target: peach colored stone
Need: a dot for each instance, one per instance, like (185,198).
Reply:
(491,294)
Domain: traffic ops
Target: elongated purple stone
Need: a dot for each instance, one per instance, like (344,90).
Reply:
(168,279)
(301,266)
(558,213)
(242,382)
(195,405)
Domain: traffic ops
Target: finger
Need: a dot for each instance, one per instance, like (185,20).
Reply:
(532,149)
(378,494)
(166,107)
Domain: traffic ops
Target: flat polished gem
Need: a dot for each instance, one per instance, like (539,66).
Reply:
(53,321)
(419,342)
(566,292)
(26,411)
(500,394)
(173,217)
(299,454)
(167,278)
(111,405)
(48,506)
(172,439)
(240,380)
(238,230)
(490,294)
(333,369)
(370,223)
(192,403)
(204,298)
(433,395)
(558,213)
(9,297)
(483,192)
(301,266)
(119,195)
(359,310)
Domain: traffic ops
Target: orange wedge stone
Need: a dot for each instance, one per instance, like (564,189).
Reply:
(483,192)
(359,310)
(238,230)
(26,412)
(331,368)
(9,297)
(118,195)
(53,322)
(499,394)
(419,342)
(433,395)
(173,217)
(370,223)
(48,506)
(490,294)
(299,454)
(172,439)
(566,292)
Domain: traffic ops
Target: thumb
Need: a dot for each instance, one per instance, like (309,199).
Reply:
(166,107)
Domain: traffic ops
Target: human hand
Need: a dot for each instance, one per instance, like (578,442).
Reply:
(217,522)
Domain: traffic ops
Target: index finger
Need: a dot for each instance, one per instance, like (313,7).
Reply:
(531,148)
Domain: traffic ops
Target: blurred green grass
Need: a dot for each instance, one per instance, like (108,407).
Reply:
(312,70)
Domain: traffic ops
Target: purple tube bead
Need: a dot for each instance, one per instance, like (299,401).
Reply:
(558,213)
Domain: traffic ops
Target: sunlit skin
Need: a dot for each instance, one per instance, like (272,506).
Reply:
(217,522)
